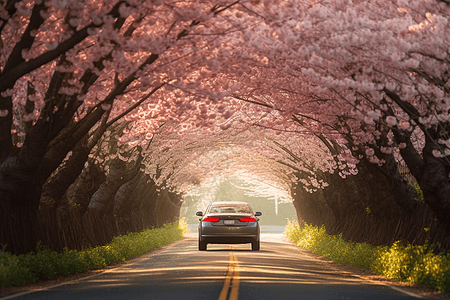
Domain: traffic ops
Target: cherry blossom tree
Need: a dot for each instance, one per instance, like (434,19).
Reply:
(368,79)
(68,66)
(318,86)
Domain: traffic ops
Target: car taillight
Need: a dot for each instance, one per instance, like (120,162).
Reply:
(247,219)
(211,219)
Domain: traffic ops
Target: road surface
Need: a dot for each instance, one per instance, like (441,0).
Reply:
(280,270)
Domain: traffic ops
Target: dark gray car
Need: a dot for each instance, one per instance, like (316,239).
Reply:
(228,223)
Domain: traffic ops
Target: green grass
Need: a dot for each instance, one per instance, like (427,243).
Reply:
(404,263)
(44,264)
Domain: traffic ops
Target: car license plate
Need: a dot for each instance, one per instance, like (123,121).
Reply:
(228,222)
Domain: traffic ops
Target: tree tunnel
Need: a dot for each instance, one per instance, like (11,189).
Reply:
(112,112)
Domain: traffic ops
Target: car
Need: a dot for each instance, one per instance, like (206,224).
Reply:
(228,223)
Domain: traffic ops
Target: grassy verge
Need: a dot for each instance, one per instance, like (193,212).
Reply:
(404,263)
(44,264)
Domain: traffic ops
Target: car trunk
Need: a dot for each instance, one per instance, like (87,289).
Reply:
(229,224)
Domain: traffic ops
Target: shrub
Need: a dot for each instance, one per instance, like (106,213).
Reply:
(44,264)
(414,264)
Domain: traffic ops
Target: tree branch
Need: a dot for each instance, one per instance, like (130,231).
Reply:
(9,77)
(135,105)
(15,58)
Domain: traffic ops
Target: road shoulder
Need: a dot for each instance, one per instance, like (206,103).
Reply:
(368,275)
(63,279)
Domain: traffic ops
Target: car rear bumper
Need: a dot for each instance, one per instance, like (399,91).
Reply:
(227,239)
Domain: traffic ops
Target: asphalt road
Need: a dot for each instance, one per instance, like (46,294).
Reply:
(279,270)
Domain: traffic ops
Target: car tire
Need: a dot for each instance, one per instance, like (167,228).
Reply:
(201,245)
(255,246)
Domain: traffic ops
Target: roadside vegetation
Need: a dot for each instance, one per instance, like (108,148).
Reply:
(404,263)
(45,264)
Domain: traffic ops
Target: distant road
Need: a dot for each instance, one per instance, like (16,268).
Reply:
(278,271)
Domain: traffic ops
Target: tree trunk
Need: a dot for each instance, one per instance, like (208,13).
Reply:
(123,204)
(435,184)
(101,206)
(118,175)
(74,204)
(53,191)
(146,195)
(18,206)
(366,210)
(311,207)
(20,191)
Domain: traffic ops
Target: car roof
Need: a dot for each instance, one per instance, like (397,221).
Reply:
(229,202)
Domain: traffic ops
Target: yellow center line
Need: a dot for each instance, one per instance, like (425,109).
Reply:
(235,282)
(231,285)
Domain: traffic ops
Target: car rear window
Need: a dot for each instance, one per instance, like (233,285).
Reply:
(230,208)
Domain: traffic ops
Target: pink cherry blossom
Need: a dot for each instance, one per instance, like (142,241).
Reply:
(370,152)
(391,121)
